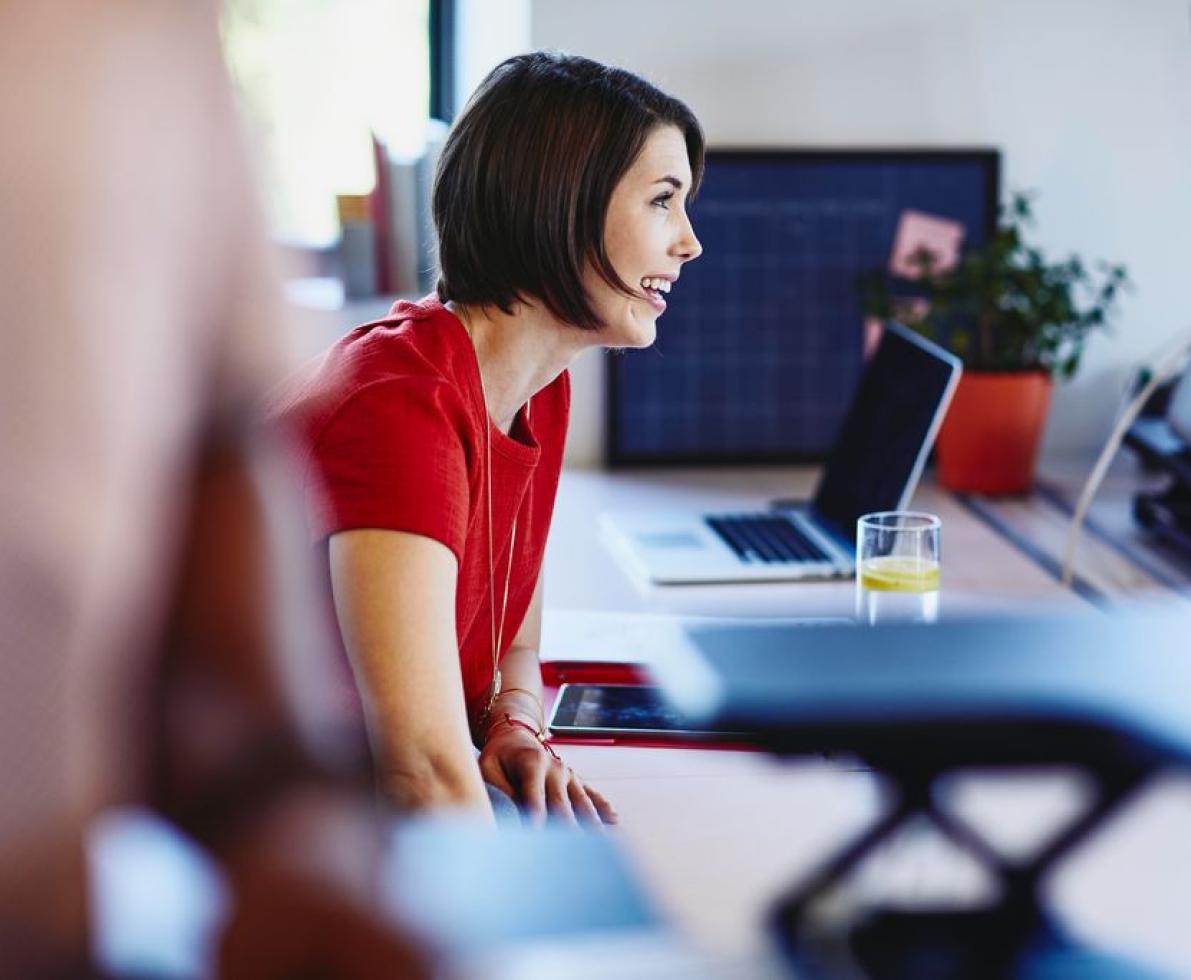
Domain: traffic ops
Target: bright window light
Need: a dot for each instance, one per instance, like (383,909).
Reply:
(315,77)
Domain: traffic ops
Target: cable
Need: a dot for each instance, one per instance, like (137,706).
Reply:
(1167,367)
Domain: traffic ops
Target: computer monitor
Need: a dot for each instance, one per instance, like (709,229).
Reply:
(761,348)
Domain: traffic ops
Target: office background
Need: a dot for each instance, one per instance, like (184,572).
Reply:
(1088,100)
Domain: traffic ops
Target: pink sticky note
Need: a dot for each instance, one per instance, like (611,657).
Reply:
(917,230)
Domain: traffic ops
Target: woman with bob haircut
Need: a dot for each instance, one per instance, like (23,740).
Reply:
(435,436)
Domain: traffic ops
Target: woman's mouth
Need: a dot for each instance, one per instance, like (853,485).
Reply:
(654,289)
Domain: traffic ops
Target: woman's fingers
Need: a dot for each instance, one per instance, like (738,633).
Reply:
(558,798)
(605,809)
(492,771)
(545,786)
(532,770)
(585,809)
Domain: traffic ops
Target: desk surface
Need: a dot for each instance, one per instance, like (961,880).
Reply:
(718,835)
(981,571)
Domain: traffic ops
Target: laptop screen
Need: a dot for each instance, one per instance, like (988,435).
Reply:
(886,435)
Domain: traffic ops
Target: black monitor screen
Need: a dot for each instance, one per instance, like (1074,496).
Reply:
(885,431)
(760,349)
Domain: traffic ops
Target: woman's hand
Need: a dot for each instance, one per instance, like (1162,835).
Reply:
(515,761)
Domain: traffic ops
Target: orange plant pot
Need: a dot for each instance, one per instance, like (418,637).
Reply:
(989,439)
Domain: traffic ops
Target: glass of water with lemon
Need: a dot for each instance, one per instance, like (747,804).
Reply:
(897,567)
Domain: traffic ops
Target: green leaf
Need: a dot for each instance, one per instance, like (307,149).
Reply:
(1005,305)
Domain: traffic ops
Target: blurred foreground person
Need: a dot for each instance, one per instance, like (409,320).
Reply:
(140,609)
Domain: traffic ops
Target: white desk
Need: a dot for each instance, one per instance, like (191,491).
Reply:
(717,835)
(981,571)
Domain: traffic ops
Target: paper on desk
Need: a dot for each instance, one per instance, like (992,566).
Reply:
(592,636)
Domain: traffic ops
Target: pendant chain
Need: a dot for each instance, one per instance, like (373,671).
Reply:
(497,630)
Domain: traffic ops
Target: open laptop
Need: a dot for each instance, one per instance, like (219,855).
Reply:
(874,465)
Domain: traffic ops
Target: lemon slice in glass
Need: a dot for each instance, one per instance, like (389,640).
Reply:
(896,574)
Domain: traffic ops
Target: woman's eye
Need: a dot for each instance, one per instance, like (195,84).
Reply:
(663,201)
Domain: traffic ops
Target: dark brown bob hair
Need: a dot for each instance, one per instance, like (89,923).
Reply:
(526,175)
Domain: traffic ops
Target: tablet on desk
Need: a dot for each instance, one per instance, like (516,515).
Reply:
(622,711)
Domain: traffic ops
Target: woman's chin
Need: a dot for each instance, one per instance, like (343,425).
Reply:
(645,339)
(641,332)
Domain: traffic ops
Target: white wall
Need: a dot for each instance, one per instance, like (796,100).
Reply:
(487,32)
(1089,100)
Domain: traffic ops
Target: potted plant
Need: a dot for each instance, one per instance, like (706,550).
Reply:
(1018,321)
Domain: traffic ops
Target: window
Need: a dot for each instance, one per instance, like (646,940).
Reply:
(315,78)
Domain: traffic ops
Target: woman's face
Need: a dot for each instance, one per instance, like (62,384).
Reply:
(648,237)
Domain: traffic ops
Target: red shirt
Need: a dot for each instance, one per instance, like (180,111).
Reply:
(393,418)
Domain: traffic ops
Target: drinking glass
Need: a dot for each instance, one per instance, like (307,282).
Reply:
(897,567)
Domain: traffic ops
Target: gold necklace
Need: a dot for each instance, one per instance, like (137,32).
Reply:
(497,631)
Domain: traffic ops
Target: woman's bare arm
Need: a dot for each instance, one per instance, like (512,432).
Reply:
(395,600)
(513,759)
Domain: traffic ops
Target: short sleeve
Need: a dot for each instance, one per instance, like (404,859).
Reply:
(395,455)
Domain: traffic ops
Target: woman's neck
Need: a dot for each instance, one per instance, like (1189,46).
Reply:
(519,354)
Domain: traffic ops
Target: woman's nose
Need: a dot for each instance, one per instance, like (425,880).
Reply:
(687,246)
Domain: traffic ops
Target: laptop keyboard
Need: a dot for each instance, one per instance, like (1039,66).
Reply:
(765,538)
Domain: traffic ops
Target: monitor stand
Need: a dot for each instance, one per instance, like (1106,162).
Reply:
(1015,936)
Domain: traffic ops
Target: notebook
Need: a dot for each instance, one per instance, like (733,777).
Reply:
(874,465)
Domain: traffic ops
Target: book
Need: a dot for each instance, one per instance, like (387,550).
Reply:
(357,245)
(401,203)
(404,240)
(379,202)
